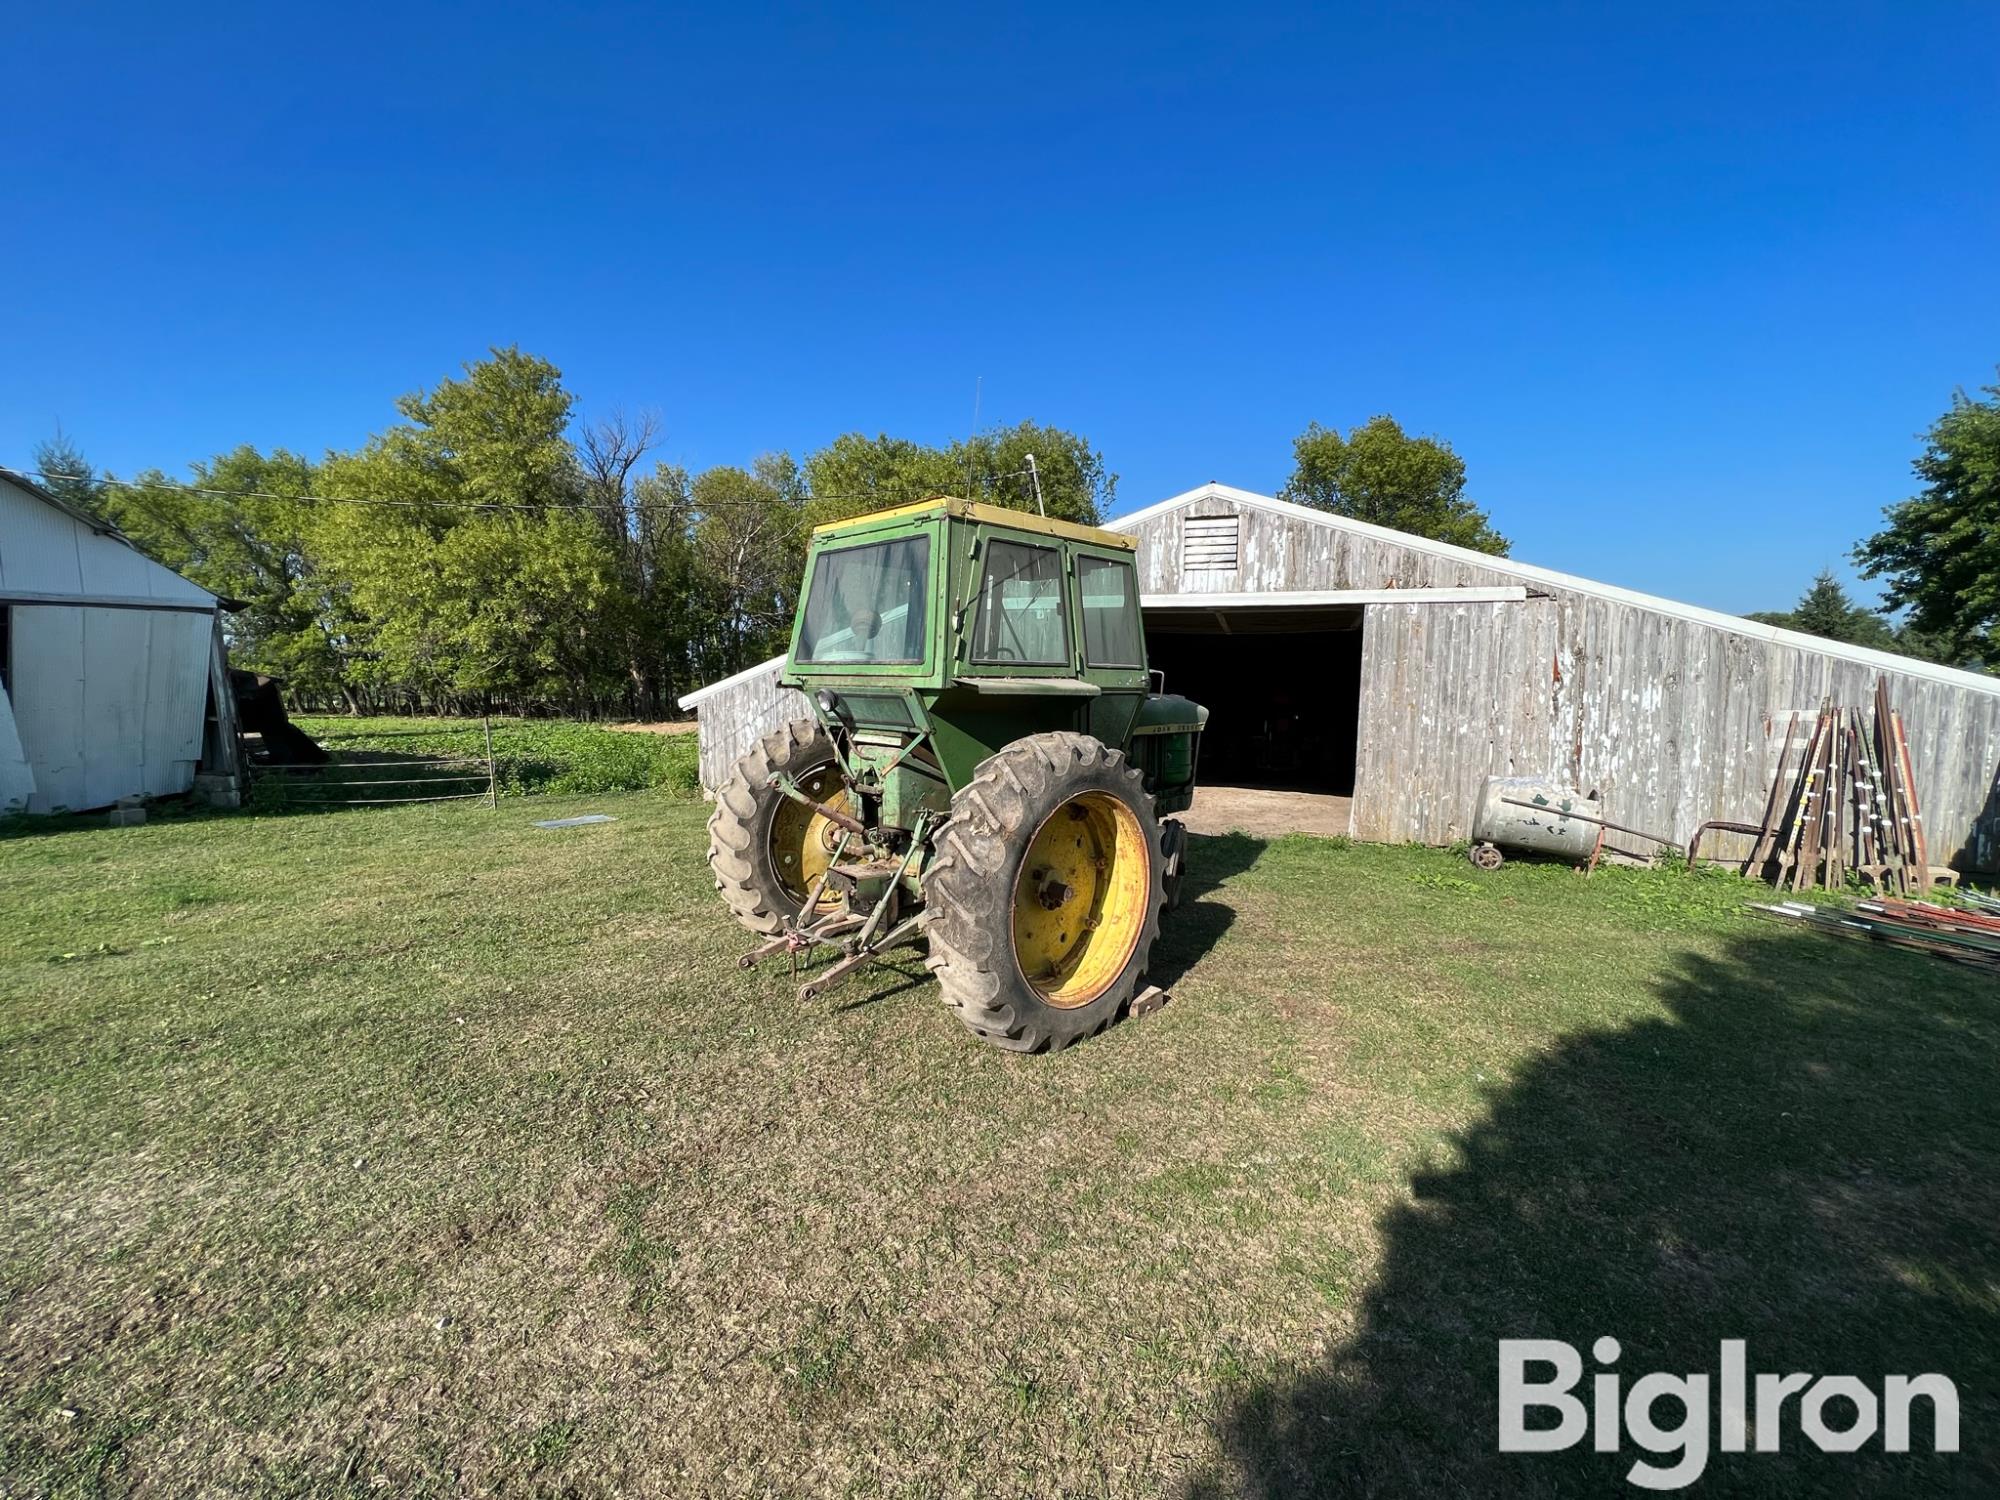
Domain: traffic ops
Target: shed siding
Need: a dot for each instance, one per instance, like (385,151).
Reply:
(17,777)
(741,714)
(46,551)
(109,703)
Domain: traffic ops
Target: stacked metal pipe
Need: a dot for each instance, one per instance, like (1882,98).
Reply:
(1971,937)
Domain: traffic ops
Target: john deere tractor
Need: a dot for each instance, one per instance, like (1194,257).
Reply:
(984,768)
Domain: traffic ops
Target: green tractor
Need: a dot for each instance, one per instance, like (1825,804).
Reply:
(985,767)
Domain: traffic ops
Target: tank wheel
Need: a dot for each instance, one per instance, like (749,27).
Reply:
(1486,856)
(1045,893)
(767,851)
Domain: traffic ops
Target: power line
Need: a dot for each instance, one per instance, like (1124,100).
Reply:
(595,506)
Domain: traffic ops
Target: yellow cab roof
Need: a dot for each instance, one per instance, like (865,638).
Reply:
(994,515)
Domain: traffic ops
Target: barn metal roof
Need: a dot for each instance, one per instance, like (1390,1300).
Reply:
(1529,574)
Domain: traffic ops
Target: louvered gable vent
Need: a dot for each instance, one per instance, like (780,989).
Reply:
(1208,544)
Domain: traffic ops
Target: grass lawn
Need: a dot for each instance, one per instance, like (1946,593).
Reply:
(422,1151)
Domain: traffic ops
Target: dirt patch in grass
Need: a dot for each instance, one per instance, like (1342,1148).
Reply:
(425,1152)
(662,726)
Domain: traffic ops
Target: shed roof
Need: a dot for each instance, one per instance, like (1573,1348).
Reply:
(1527,573)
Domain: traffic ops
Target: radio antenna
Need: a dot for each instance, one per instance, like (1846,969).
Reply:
(971,450)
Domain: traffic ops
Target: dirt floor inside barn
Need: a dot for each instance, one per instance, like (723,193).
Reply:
(424,1151)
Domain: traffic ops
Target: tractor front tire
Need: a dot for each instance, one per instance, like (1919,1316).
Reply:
(1043,898)
(766,850)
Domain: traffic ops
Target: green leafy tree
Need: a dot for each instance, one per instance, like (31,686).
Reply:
(1076,486)
(673,607)
(855,474)
(1940,551)
(475,567)
(748,542)
(1379,473)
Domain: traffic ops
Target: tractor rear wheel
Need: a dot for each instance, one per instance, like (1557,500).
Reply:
(768,851)
(1044,895)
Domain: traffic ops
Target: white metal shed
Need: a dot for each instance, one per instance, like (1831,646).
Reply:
(106,660)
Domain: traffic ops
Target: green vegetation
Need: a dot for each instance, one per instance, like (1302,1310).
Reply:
(1380,474)
(494,548)
(530,755)
(423,1151)
(1825,610)
(1940,550)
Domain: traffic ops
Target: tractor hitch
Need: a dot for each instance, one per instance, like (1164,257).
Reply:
(867,923)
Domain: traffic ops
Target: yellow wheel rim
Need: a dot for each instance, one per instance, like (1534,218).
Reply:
(1080,899)
(802,841)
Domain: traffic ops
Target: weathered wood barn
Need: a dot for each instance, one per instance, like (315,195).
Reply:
(1356,661)
(111,665)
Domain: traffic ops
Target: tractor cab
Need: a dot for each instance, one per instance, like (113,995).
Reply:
(933,635)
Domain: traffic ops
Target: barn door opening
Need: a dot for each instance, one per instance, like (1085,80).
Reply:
(1283,690)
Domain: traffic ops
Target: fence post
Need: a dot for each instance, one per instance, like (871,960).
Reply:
(492,779)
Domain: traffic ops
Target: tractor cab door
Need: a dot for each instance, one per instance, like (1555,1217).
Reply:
(1110,640)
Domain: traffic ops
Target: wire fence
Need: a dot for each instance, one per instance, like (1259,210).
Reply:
(382,780)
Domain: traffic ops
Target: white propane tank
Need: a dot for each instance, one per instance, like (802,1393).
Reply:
(1542,828)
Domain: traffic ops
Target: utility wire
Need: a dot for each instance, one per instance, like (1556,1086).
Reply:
(597,506)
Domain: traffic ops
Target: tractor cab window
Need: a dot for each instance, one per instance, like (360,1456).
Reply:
(867,604)
(1021,619)
(1111,635)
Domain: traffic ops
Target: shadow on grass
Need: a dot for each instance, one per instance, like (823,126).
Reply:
(1805,1156)
(1186,934)
(1191,931)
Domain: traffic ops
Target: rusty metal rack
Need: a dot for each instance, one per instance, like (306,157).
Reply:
(1842,804)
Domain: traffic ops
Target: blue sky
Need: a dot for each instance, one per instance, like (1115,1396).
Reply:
(1683,284)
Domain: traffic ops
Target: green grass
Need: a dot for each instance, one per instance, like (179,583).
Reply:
(423,1151)
(556,757)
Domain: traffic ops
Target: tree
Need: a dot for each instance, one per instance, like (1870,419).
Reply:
(67,474)
(609,452)
(242,526)
(1075,484)
(1940,551)
(1825,610)
(1378,473)
(855,474)
(748,539)
(475,565)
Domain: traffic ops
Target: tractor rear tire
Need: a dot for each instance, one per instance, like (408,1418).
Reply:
(1043,898)
(766,851)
